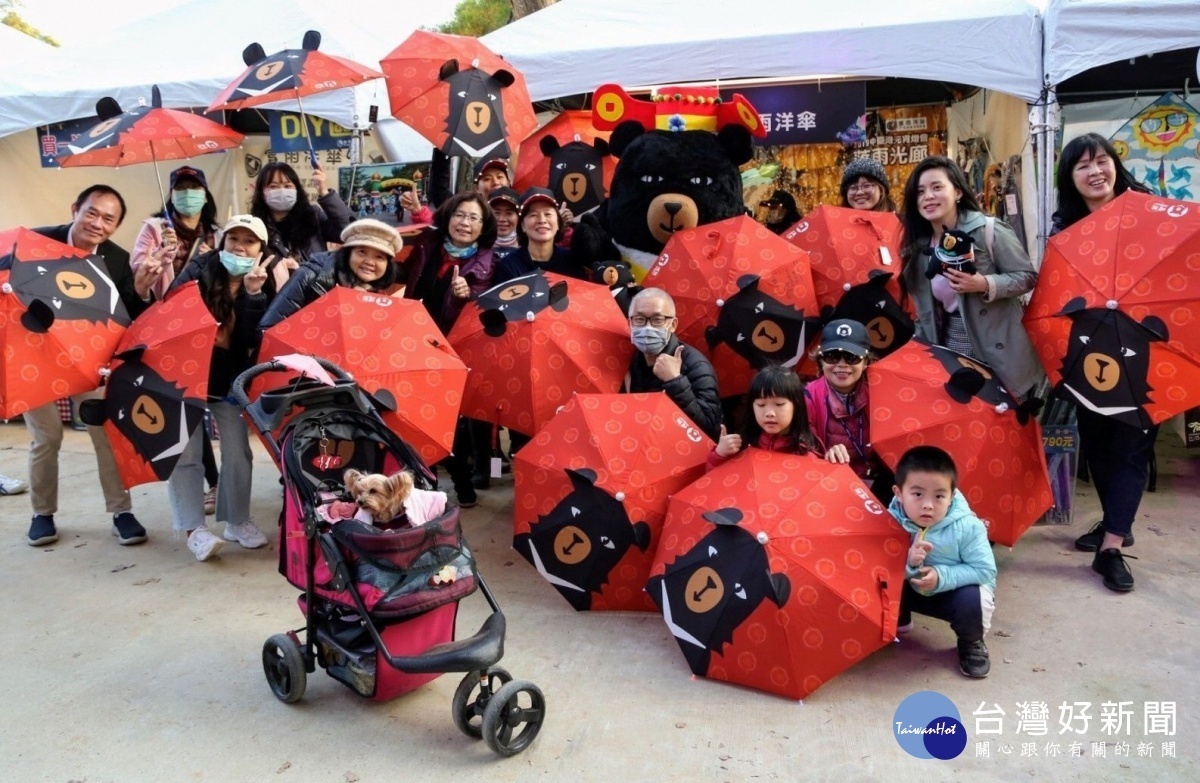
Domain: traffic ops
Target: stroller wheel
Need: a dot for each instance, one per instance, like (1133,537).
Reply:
(469,703)
(514,717)
(283,663)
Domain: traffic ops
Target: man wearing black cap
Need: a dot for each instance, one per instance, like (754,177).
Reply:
(95,215)
(782,213)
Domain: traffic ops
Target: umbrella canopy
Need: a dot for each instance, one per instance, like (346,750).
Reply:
(1114,318)
(928,395)
(778,571)
(534,341)
(591,493)
(457,93)
(62,318)
(570,157)
(147,134)
(742,294)
(393,350)
(290,73)
(157,387)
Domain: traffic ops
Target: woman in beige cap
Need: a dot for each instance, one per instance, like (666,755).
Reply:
(366,261)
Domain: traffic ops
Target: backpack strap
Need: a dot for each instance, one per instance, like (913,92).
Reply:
(989,233)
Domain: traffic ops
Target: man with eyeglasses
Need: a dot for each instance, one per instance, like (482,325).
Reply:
(665,364)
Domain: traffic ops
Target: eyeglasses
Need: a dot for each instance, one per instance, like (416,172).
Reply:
(654,320)
(833,357)
(861,187)
(466,217)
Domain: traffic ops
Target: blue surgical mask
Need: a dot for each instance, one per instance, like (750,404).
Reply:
(236,265)
(188,202)
(650,339)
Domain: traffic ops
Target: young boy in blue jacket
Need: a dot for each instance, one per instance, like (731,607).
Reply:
(951,573)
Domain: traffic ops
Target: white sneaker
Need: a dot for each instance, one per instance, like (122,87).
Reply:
(203,543)
(247,534)
(12,486)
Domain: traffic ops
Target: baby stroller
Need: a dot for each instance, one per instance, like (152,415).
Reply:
(376,618)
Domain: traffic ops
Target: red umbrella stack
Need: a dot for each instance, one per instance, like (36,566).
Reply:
(778,571)
(591,494)
(742,294)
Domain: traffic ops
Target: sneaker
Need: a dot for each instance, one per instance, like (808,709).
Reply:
(246,533)
(1110,563)
(42,530)
(466,496)
(1091,540)
(127,529)
(973,659)
(12,486)
(210,501)
(203,543)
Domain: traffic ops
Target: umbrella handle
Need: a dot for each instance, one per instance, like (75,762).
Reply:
(237,389)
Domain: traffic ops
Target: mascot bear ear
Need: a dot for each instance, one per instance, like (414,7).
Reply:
(312,41)
(92,412)
(558,296)
(252,54)
(736,141)
(623,135)
(601,146)
(723,516)
(504,78)
(1078,304)
(448,69)
(642,535)
(548,145)
(964,384)
(494,323)
(1157,326)
(781,587)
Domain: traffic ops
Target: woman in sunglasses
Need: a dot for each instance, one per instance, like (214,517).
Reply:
(837,404)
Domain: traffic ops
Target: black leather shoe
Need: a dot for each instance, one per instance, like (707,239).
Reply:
(1110,563)
(1091,540)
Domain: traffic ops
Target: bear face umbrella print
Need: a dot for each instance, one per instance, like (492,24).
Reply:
(742,294)
(591,492)
(458,94)
(1114,317)
(570,157)
(394,351)
(157,387)
(925,394)
(62,318)
(534,341)
(778,571)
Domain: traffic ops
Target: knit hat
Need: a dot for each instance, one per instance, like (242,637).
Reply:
(249,222)
(507,195)
(864,167)
(533,195)
(374,234)
(187,172)
(483,164)
(845,335)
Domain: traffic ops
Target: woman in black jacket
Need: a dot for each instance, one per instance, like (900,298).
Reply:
(366,261)
(236,283)
(297,229)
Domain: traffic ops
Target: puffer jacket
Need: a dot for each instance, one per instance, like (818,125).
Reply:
(961,554)
(694,391)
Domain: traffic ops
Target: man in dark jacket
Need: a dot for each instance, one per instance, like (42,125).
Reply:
(95,215)
(665,364)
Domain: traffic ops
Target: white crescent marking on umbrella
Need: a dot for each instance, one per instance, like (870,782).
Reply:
(1110,411)
(255,93)
(480,152)
(183,436)
(551,578)
(114,295)
(676,631)
(76,150)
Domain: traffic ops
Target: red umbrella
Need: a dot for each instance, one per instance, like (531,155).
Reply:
(564,156)
(393,350)
(533,342)
(742,295)
(928,395)
(460,95)
(591,492)
(845,246)
(157,388)
(147,134)
(1114,315)
(61,318)
(778,571)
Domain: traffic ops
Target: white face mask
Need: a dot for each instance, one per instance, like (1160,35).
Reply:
(280,199)
(649,339)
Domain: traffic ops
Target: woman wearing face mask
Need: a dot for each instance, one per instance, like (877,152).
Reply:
(977,313)
(539,231)
(365,261)
(298,229)
(184,229)
(448,266)
(237,287)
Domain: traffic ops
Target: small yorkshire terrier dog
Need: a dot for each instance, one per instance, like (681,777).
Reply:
(380,496)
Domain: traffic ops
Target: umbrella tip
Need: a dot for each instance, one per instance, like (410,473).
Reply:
(846,286)
(6,288)
(529,316)
(762,537)
(1111,304)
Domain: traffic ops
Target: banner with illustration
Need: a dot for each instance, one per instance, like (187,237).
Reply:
(375,189)
(1159,147)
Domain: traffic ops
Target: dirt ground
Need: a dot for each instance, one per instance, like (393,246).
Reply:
(141,664)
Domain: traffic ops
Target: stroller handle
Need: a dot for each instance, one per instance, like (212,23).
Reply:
(237,389)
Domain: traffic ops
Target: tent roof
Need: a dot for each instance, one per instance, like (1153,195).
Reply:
(575,45)
(1082,34)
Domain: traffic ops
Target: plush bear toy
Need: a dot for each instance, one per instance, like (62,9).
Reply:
(955,251)
(677,168)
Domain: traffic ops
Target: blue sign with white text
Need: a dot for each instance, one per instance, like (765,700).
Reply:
(809,113)
(288,131)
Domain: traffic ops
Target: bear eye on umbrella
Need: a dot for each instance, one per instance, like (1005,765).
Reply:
(560,165)
(462,93)
(702,180)
(1083,338)
(590,166)
(1126,352)
(491,97)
